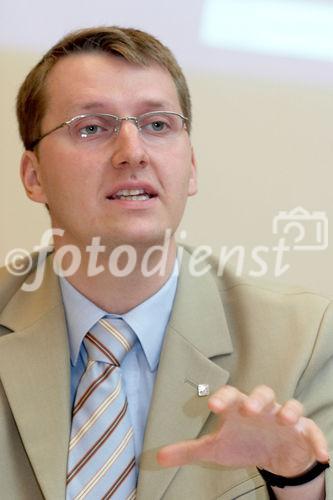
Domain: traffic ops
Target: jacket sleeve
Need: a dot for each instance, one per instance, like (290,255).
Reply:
(315,387)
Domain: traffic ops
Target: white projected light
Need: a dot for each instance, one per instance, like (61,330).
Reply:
(294,28)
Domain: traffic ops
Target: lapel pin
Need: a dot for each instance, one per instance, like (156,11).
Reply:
(203,390)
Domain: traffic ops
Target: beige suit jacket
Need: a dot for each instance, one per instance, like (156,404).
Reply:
(222,330)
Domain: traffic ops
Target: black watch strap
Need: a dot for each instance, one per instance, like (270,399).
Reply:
(281,481)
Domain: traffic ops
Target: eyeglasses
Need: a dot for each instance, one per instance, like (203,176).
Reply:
(100,127)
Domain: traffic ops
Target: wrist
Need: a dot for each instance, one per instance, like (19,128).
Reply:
(282,481)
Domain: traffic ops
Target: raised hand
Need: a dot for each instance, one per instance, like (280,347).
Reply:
(254,430)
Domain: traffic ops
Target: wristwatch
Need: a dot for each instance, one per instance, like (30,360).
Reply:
(281,481)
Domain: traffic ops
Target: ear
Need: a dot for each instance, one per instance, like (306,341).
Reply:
(30,176)
(193,184)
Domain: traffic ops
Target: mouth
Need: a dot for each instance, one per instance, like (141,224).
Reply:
(132,195)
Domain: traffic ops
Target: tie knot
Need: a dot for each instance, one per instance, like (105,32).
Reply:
(108,341)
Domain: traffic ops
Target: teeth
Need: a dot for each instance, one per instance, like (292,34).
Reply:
(135,198)
(130,192)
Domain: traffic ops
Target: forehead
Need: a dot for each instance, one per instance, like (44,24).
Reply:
(107,83)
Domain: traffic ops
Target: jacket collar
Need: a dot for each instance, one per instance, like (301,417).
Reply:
(34,370)
(197,332)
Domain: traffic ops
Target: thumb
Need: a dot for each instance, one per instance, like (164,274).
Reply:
(185,452)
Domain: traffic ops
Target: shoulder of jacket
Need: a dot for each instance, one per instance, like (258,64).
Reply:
(13,276)
(229,281)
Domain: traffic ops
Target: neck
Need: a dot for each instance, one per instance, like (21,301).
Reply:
(119,294)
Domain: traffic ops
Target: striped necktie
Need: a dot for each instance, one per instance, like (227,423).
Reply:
(101,460)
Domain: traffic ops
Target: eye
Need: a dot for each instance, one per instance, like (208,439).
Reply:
(155,124)
(158,125)
(91,127)
(90,130)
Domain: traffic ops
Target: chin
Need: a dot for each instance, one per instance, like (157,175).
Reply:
(139,238)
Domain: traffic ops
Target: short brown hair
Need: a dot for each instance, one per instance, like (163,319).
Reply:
(135,46)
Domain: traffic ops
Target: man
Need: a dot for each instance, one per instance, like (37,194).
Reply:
(105,120)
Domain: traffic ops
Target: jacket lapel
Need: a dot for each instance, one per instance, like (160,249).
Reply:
(34,370)
(197,331)
(37,350)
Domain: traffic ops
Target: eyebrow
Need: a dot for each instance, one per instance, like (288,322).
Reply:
(149,104)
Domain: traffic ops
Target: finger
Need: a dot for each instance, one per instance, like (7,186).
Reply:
(315,438)
(262,398)
(290,412)
(225,398)
(185,452)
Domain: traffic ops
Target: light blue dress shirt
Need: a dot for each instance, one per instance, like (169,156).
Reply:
(148,321)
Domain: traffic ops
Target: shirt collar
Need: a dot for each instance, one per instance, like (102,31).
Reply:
(148,320)
(81,314)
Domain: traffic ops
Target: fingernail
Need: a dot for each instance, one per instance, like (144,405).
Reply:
(216,402)
(254,404)
(289,414)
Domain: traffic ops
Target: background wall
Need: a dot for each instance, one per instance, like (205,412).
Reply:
(262,125)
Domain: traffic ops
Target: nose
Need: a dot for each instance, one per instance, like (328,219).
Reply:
(128,149)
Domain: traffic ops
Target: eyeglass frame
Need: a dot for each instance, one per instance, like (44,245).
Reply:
(120,119)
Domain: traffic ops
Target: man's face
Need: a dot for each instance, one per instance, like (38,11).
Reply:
(78,182)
